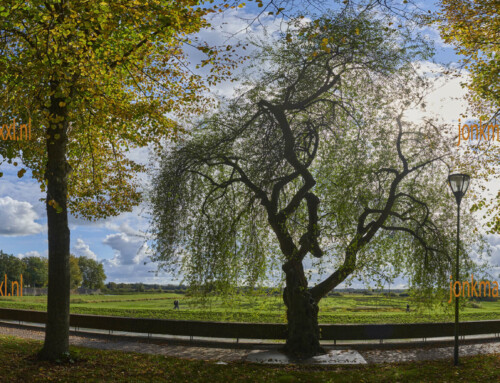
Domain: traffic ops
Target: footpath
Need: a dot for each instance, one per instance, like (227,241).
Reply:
(224,352)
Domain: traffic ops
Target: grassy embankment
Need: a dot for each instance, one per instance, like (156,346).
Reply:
(348,308)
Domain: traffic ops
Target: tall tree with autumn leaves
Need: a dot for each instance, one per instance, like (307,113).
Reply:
(473,27)
(96,79)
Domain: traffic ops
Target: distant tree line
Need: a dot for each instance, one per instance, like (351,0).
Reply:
(127,288)
(85,272)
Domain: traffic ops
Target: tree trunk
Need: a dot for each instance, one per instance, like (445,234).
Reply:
(302,315)
(57,328)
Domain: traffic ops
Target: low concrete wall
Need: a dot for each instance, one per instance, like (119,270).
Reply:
(85,291)
(258,330)
(43,291)
(35,290)
(407,330)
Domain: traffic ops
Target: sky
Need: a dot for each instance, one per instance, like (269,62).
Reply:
(118,242)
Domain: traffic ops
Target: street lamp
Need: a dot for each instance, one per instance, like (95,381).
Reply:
(459,184)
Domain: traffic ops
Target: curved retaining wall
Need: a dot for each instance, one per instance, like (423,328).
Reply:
(258,330)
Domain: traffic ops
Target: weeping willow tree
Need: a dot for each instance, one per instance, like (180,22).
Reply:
(314,161)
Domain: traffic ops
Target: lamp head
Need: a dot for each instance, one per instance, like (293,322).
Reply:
(459,184)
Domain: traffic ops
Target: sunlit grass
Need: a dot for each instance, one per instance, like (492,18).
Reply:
(348,308)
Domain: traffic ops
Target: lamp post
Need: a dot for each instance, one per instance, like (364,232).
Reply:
(459,184)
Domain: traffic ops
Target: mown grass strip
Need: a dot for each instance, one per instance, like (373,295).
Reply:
(19,364)
(349,308)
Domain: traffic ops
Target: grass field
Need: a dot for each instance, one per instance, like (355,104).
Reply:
(348,308)
(19,364)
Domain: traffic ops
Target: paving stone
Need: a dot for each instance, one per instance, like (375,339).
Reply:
(337,355)
(332,357)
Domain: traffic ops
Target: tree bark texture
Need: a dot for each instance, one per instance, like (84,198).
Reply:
(57,328)
(302,316)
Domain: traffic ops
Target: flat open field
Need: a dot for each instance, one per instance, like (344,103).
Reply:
(348,308)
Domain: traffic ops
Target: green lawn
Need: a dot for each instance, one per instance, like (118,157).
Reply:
(19,364)
(348,308)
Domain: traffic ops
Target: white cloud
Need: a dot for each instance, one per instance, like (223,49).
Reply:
(24,189)
(229,28)
(31,254)
(81,249)
(494,241)
(130,231)
(137,273)
(17,218)
(432,34)
(128,250)
(446,101)
(130,261)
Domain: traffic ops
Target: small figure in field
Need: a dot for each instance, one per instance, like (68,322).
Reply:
(176,304)
(407,307)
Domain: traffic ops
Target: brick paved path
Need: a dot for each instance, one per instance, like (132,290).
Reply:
(229,353)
